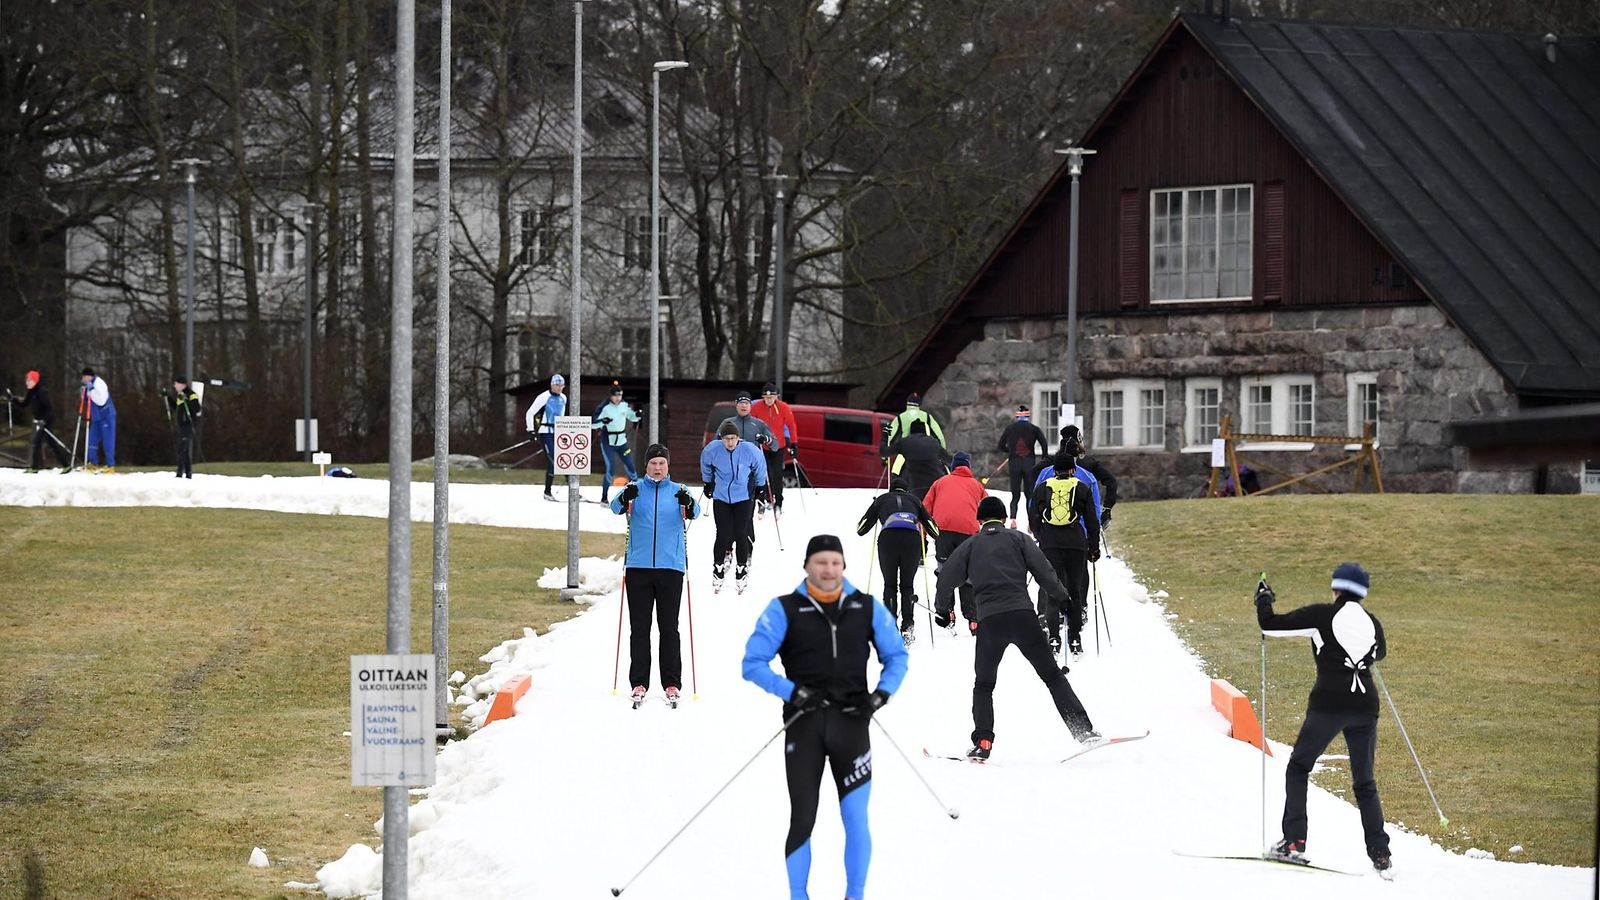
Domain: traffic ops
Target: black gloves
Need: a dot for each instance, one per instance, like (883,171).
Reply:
(683,498)
(1264,595)
(806,699)
(764,440)
(1105,517)
(1094,554)
(711,486)
(628,494)
(944,619)
(868,705)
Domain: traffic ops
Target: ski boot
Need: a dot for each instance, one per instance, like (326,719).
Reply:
(1384,867)
(551,497)
(673,696)
(1075,647)
(761,510)
(1055,645)
(980,751)
(637,696)
(1091,738)
(30,471)
(1288,851)
(717,574)
(907,635)
(741,578)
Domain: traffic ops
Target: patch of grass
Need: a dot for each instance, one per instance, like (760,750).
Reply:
(458,475)
(177,686)
(1489,608)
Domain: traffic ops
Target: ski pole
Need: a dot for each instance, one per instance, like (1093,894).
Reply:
(1443,821)
(617,891)
(623,604)
(1003,462)
(1100,600)
(775,528)
(950,811)
(800,481)
(694,676)
(1259,585)
(926,591)
(872,555)
(72,462)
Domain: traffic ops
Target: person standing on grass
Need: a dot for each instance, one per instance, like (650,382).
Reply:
(1346,641)
(903,528)
(37,402)
(541,424)
(734,474)
(996,562)
(185,405)
(953,502)
(612,419)
(779,419)
(102,424)
(823,631)
(658,511)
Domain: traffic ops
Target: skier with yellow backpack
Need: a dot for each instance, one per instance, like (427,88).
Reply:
(1064,520)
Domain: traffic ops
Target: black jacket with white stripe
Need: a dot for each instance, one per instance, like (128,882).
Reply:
(1345,640)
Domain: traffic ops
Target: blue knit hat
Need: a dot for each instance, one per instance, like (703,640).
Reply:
(962,458)
(1351,578)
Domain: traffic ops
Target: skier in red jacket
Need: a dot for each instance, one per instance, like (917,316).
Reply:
(953,502)
(780,418)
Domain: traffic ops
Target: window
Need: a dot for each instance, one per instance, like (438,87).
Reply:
(1279,405)
(1590,477)
(847,429)
(1362,399)
(266,243)
(635,358)
(288,246)
(1130,415)
(636,244)
(538,237)
(1047,409)
(1200,244)
(539,348)
(1203,416)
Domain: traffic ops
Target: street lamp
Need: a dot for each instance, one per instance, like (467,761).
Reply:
(190,171)
(665,65)
(575,361)
(1074,157)
(309,211)
(779,341)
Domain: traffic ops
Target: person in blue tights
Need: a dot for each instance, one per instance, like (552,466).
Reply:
(823,631)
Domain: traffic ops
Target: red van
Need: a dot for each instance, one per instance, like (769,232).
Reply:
(838,446)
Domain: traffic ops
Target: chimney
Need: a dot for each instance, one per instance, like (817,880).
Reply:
(1550,41)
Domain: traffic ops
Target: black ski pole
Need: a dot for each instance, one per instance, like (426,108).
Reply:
(950,811)
(1443,821)
(775,527)
(617,891)
(1100,604)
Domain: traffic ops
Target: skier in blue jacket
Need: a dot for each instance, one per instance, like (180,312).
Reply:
(658,511)
(822,630)
(735,473)
(611,418)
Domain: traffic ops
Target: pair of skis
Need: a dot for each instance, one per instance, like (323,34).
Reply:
(1080,751)
(638,700)
(1301,863)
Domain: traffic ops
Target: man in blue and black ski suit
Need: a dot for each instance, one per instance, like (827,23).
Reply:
(735,473)
(822,631)
(658,511)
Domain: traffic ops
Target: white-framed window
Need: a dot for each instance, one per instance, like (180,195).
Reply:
(266,244)
(1130,414)
(1589,479)
(538,236)
(635,358)
(636,244)
(290,233)
(1047,409)
(1362,402)
(1202,417)
(1278,404)
(1200,243)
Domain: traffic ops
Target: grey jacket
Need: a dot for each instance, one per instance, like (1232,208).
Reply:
(751,429)
(996,562)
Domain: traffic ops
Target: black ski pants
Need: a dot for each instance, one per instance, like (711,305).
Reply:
(1072,569)
(661,590)
(1316,733)
(736,530)
(547,440)
(1019,628)
(42,435)
(943,547)
(841,740)
(775,476)
(1020,469)
(185,451)
(900,553)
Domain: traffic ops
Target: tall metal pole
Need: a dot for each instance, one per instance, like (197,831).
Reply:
(310,210)
(655,242)
(575,377)
(441,396)
(189,171)
(395,809)
(1074,157)
(779,341)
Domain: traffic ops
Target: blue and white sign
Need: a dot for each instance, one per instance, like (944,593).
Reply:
(391,720)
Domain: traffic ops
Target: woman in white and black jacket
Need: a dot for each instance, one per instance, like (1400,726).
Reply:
(1346,641)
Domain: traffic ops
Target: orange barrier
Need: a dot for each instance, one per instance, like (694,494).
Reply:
(1236,708)
(505,699)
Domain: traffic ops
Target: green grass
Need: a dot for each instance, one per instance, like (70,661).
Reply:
(1490,609)
(369,470)
(177,686)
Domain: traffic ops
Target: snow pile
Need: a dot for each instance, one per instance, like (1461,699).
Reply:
(357,873)
(597,578)
(258,859)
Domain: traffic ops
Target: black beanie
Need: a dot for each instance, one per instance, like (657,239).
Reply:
(179,379)
(655,451)
(1065,462)
(88,371)
(727,429)
(991,509)
(769,388)
(822,542)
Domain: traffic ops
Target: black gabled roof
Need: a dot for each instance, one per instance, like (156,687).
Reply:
(1470,155)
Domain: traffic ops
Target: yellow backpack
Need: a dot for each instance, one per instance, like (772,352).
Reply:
(1063,491)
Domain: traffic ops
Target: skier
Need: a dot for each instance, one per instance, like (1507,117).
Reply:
(37,402)
(102,424)
(822,630)
(612,418)
(953,501)
(914,420)
(996,563)
(658,511)
(921,459)
(754,430)
(904,524)
(734,474)
(1062,518)
(185,405)
(541,425)
(1017,442)
(1346,641)
(779,419)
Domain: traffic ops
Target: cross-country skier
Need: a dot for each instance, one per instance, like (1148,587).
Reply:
(612,419)
(953,502)
(822,630)
(904,524)
(658,510)
(102,424)
(753,430)
(779,419)
(914,420)
(1062,518)
(37,402)
(921,459)
(185,405)
(541,425)
(996,562)
(1090,471)
(1017,442)
(734,474)
(1346,641)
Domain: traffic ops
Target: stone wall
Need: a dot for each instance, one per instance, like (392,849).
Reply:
(1429,374)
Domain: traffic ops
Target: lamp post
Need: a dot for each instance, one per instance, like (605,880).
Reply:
(665,65)
(190,171)
(1074,157)
(441,397)
(779,340)
(575,377)
(309,210)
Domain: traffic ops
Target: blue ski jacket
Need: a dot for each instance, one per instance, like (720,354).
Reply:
(732,476)
(831,658)
(657,529)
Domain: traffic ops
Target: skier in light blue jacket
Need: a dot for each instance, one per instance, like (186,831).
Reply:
(735,473)
(611,419)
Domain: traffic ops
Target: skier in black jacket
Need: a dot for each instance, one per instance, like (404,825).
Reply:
(1017,442)
(1346,641)
(185,405)
(37,402)
(996,562)
(902,546)
(922,460)
(1062,518)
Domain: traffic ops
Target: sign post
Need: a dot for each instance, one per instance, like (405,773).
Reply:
(322,461)
(573,445)
(391,720)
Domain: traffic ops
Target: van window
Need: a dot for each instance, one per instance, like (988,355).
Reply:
(847,429)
